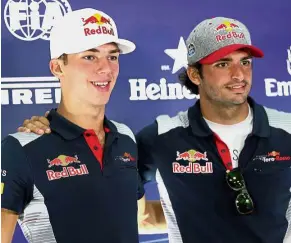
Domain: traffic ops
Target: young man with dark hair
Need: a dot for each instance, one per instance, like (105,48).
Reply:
(78,184)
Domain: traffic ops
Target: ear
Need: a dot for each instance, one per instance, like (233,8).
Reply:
(193,75)
(56,67)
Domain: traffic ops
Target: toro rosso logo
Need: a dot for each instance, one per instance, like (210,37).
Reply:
(272,157)
(63,161)
(101,25)
(126,157)
(195,168)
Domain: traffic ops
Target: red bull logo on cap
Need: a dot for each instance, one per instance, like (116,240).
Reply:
(63,161)
(96,19)
(99,20)
(226,25)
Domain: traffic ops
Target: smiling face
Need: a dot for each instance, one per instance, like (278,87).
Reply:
(88,77)
(227,81)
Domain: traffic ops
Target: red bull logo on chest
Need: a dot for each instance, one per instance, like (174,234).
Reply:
(63,161)
(192,167)
(98,25)
(191,155)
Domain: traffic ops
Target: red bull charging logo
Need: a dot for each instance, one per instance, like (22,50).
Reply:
(98,20)
(228,27)
(63,161)
(274,154)
(192,156)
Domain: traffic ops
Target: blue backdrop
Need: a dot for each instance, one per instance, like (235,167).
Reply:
(147,85)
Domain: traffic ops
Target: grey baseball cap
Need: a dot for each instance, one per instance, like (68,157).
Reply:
(215,38)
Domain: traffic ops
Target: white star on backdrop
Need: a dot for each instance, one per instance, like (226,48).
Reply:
(179,55)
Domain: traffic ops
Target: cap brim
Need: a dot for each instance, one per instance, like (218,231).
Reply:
(125,46)
(219,54)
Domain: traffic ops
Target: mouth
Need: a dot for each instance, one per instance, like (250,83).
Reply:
(101,86)
(237,88)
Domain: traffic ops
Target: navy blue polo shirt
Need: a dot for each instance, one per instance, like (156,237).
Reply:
(66,189)
(189,162)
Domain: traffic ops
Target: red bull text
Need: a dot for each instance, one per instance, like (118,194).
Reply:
(192,168)
(230,35)
(67,172)
(63,161)
(98,31)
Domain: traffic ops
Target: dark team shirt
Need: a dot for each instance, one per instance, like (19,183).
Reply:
(189,162)
(67,189)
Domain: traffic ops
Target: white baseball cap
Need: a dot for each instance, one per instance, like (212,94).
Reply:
(85,29)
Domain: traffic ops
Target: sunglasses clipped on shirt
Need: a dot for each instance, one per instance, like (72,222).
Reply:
(244,203)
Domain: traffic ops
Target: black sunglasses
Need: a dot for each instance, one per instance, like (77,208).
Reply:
(244,203)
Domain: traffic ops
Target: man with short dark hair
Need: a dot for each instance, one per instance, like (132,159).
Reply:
(223,167)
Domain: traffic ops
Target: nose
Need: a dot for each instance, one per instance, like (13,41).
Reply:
(103,66)
(237,73)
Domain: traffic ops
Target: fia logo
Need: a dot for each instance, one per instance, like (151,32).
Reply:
(30,20)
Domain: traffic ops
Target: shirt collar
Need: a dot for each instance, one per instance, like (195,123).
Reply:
(69,130)
(200,128)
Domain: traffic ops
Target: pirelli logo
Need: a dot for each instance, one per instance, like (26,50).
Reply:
(30,90)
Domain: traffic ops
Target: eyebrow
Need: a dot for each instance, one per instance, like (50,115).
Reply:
(230,59)
(117,50)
